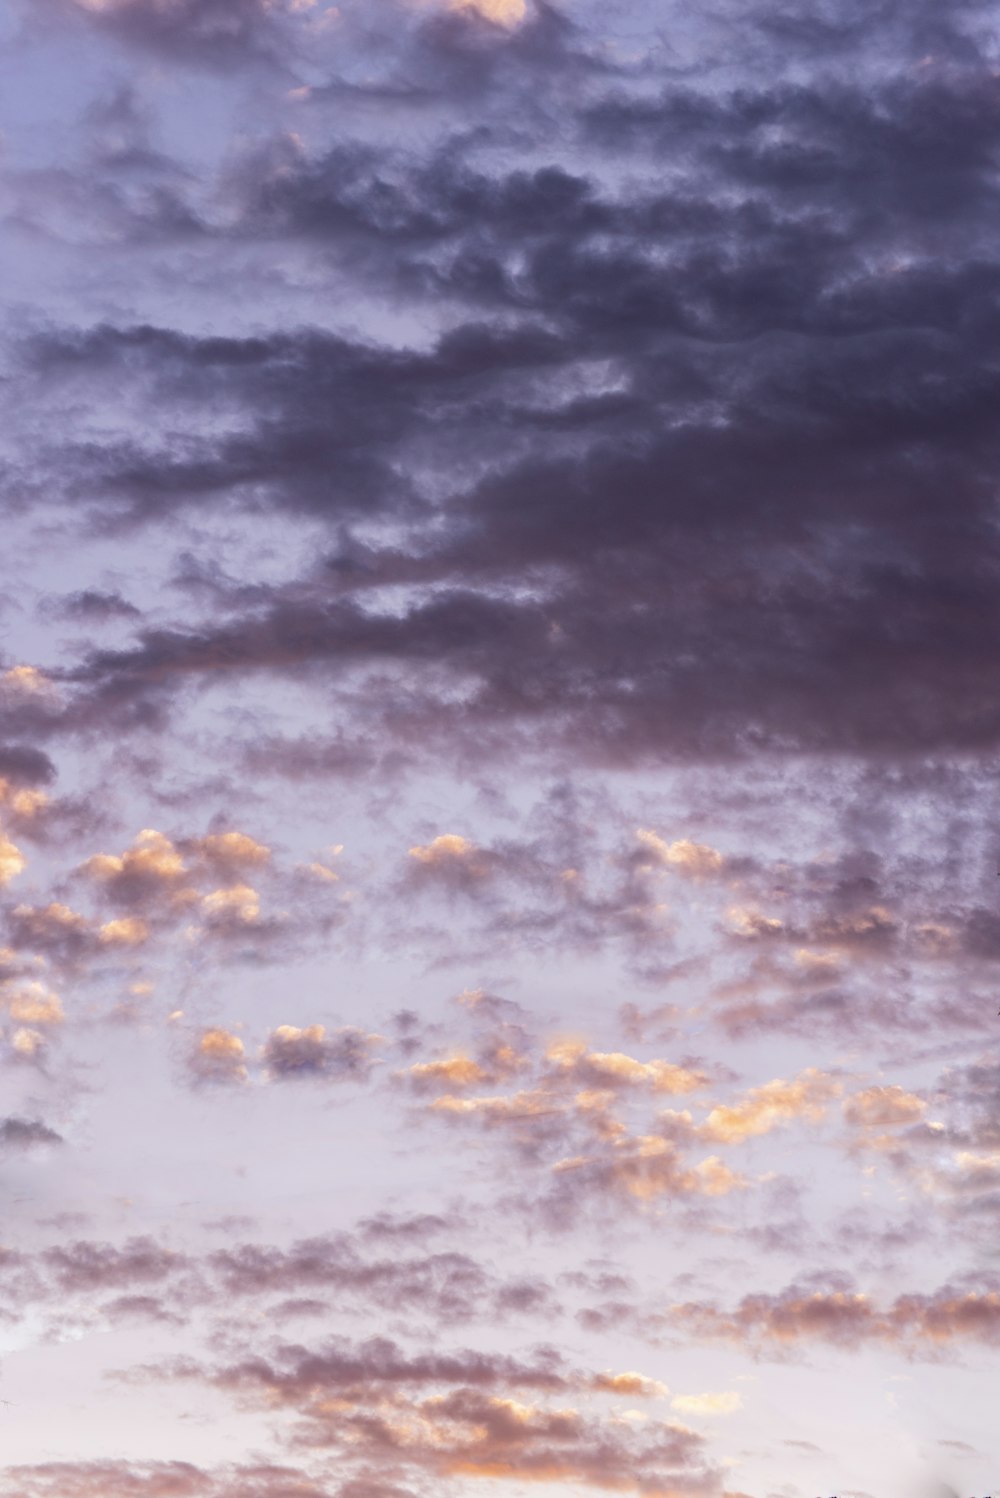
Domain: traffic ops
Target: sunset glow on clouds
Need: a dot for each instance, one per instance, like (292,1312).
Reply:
(498,749)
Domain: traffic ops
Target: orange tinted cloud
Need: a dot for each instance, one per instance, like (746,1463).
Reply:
(883,1107)
(33,1004)
(452,1072)
(696,859)
(229,853)
(341,1055)
(22,803)
(572,1060)
(445,849)
(500,12)
(767,1107)
(473,1414)
(631,1385)
(153,868)
(707,1404)
(218,1056)
(126,931)
(451,861)
(240,904)
(846,1319)
(11,860)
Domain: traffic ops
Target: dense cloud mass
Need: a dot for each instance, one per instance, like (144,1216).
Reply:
(498,748)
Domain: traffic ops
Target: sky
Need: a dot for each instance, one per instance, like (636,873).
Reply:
(499,749)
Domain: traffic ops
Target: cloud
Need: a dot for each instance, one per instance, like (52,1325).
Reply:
(85,1266)
(31,1003)
(358,1271)
(884,1107)
(235,906)
(502,12)
(921,1325)
(217,34)
(447,1286)
(28,1044)
(11,860)
(153,870)
(126,931)
(26,765)
(578,1129)
(343,1055)
(452,861)
(228,854)
(467,1415)
(452,1073)
(96,606)
(695,859)
(634,1385)
(23,1133)
(218,1056)
(707,1404)
(616,443)
(573,1063)
(765,1108)
(61,934)
(167,1479)
(632,374)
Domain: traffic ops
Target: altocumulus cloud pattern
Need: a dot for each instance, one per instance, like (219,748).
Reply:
(499,748)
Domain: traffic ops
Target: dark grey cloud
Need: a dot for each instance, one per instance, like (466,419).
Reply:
(22,1133)
(862,627)
(447,1285)
(26,765)
(91,605)
(340,1055)
(215,34)
(359,1272)
(709,416)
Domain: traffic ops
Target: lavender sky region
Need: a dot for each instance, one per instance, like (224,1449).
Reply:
(499,749)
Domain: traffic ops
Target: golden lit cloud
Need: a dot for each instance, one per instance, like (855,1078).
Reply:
(884,1107)
(750,923)
(453,1071)
(127,931)
(219,1057)
(23,803)
(341,1055)
(916,1322)
(521,1105)
(631,1385)
(52,920)
(615,1069)
(28,1042)
(239,903)
(230,851)
(11,860)
(500,12)
(34,1004)
(696,859)
(25,681)
(707,1404)
(451,860)
(449,848)
(767,1107)
(716,1178)
(152,862)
